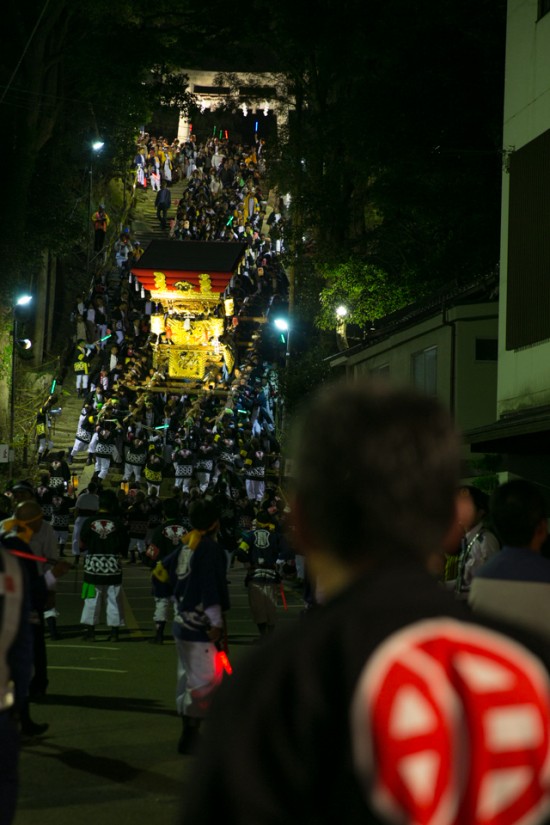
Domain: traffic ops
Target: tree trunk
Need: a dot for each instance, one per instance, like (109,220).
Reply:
(52,282)
(41,295)
(6,325)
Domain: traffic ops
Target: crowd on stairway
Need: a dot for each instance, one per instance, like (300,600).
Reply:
(216,441)
(199,462)
(228,428)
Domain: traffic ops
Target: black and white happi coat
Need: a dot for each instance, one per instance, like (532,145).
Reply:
(105,445)
(184,463)
(135,453)
(104,539)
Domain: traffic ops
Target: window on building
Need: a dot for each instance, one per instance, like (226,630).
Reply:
(486,349)
(381,371)
(544,8)
(424,370)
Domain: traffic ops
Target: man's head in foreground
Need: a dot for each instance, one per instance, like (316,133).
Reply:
(376,472)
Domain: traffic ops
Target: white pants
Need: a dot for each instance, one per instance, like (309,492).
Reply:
(255,490)
(77,527)
(183,482)
(163,609)
(198,675)
(102,464)
(79,446)
(300,566)
(203,477)
(81,381)
(112,594)
(136,544)
(130,469)
(44,444)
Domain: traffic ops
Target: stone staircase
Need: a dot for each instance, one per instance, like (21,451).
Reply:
(145,225)
(145,228)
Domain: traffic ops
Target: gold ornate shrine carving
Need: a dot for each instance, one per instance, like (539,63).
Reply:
(188,333)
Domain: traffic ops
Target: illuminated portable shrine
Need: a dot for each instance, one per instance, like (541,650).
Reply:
(187,281)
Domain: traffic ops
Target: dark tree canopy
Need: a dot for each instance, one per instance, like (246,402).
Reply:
(393,152)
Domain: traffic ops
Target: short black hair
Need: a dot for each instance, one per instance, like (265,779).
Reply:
(171,508)
(376,470)
(479,497)
(203,514)
(517,508)
(108,501)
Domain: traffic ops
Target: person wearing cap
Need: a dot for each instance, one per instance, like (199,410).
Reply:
(196,571)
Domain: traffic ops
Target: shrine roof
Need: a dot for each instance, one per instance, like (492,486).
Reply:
(191,256)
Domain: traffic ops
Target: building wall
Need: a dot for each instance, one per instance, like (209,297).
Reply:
(523,374)
(466,384)
(475,370)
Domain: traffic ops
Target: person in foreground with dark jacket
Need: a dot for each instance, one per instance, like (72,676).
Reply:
(391,702)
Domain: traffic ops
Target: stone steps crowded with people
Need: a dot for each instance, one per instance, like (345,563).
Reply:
(145,227)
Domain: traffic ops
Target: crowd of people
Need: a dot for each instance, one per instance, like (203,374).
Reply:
(410,649)
(164,458)
(222,434)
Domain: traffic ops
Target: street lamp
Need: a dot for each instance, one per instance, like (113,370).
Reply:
(22,301)
(341,336)
(283,326)
(97,146)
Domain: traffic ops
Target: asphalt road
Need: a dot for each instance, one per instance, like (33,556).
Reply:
(110,755)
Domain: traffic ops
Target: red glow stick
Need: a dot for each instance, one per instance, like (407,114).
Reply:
(224,661)
(30,556)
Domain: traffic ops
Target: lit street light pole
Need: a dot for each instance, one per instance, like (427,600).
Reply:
(283,326)
(97,146)
(341,337)
(23,300)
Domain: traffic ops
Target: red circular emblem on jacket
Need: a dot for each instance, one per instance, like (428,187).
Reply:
(450,726)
